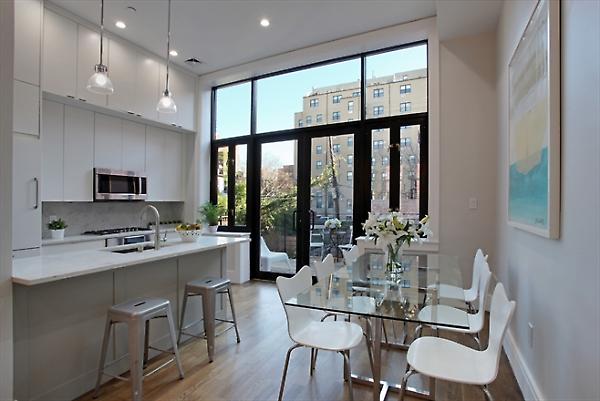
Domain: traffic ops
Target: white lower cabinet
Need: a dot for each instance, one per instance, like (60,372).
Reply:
(78,155)
(27,206)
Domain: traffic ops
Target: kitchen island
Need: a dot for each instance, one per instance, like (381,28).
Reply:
(61,300)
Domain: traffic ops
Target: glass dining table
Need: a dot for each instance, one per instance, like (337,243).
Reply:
(367,289)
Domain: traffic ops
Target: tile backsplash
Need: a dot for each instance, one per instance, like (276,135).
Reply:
(86,216)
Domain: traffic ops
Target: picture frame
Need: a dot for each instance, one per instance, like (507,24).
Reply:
(534,125)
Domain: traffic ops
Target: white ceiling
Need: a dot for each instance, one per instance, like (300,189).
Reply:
(225,33)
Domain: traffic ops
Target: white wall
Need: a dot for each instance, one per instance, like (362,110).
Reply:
(467,147)
(556,283)
(6,89)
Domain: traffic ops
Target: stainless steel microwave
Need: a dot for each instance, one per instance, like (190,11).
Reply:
(119,185)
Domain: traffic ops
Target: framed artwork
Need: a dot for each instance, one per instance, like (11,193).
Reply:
(534,124)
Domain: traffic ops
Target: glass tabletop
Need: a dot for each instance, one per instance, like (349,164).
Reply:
(366,288)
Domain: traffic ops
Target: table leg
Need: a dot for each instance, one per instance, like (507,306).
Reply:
(377,358)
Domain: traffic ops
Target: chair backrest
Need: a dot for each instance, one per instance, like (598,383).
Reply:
(482,288)
(351,255)
(324,268)
(264,249)
(350,236)
(478,266)
(316,236)
(501,312)
(297,318)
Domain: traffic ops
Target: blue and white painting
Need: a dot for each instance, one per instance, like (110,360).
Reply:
(531,195)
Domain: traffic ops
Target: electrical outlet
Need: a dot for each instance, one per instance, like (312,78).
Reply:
(530,334)
(473,203)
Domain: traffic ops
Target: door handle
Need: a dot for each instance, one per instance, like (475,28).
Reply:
(37,192)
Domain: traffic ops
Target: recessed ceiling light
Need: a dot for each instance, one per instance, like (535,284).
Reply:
(120,25)
(174,53)
(265,22)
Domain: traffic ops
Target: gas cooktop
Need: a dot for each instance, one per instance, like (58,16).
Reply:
(108,231)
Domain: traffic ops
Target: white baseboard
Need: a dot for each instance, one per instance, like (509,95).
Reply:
(525,379)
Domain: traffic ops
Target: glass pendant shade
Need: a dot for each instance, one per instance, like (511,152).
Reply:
(100,83)
(166,104)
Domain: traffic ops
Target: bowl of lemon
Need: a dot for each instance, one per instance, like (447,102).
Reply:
(189,232)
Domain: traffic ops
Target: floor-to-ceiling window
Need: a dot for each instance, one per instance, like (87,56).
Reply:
(337,139)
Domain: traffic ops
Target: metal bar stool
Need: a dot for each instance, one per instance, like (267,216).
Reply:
(137,315)
(208,288)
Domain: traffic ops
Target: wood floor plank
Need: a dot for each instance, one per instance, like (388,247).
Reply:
(252,369)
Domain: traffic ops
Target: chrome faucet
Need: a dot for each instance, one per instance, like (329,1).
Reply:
(156,224)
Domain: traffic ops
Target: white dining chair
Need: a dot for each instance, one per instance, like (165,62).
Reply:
(351,255)
(324,268)
(440,358)
(468,295)
(450,315)
(306,329)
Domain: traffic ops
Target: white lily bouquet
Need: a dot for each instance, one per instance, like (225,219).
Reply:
(391,231)
(332,224)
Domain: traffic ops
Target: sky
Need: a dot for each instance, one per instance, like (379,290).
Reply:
(279,97)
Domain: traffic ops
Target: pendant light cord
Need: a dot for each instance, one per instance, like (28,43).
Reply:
(168,44)
(101,29)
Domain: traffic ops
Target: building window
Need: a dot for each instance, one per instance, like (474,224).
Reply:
(383,175)
(377,110)
(356,94)
(385,161)
(378,92)
(337,98)
(300,123)
(319,118)
(404,142)
(372,161)
(319,149)
(373,176)
(314,102)
(378,144)
(319,200)
(350,159)
(350,106)
(336,148)
(319,164)
(330,200)
(335,116)
(405,89)
(349,175)
(349,204)
(308,120)
(350,141)
(405,106)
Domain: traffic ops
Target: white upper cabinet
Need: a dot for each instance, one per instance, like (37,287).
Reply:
(164,164)
(134,146)
(59,55)
(28,25)
(78,154)
(146,86)
(88,55)
(183,88)
(122,70)
(108,139)
(26,196)
(52,156)
(26,108)
(154,162)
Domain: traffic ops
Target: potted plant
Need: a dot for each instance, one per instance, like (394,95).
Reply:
(210,214)
(57,228)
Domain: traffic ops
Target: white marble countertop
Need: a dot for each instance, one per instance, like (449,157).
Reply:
(47,268)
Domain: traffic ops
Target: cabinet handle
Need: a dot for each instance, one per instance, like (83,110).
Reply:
(37,192)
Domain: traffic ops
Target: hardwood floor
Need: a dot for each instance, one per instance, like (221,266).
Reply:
(252,369)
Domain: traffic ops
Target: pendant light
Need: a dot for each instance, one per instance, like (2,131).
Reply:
(99,82)
(166,104)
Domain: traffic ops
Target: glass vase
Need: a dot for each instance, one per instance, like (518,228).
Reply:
(394,258)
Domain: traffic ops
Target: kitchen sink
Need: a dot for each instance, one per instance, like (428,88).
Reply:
(132,248)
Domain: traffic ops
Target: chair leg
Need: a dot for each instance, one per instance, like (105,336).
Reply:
(285,368)
(405,378)
(384,332)
(103,355)
(237,333)
(171,321)
(182,320)
(347,378)
(146,342)
(475,337)
(208,310)
(368,340)
(487,393)
(312,361)
(418,331)
(136,359)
